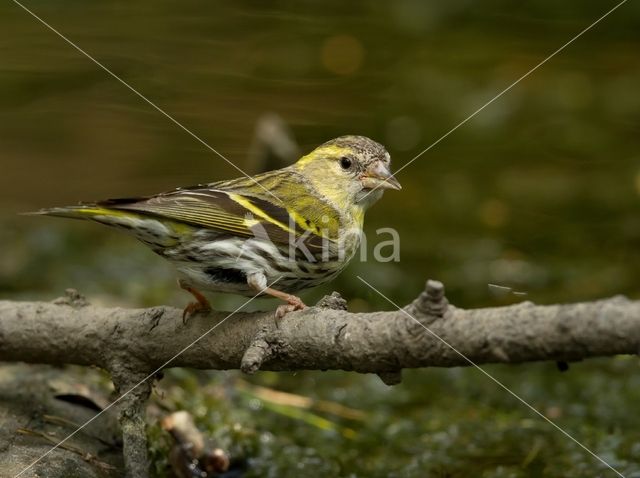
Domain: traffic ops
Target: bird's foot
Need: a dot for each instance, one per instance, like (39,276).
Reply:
(194,308)
(200,306)
(257,281)
(294,303)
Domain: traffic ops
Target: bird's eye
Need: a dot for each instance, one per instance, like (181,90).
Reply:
(345,163)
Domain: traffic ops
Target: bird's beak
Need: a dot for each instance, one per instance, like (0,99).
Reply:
(378,176)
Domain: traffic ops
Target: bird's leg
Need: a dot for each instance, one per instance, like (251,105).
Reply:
(258,282)
(293,302)
(201,304)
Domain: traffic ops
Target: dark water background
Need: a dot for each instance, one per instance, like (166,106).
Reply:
(539,193)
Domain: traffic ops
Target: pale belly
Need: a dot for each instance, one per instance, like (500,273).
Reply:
(223,266)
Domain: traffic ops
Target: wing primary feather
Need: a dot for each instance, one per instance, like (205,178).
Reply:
(224,211)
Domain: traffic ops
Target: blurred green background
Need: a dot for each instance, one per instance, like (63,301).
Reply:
(539,193)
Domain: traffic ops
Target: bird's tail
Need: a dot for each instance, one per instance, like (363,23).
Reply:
(154,231)
(99,213)
(82,211)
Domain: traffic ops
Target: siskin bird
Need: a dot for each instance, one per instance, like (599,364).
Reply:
(274,234)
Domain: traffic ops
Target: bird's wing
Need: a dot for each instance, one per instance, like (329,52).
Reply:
(228,209)
(294,198)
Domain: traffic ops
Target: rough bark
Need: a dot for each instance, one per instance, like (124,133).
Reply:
(133,344)
(134,341)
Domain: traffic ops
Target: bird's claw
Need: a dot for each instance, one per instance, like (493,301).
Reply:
(194,308)
(201,305)
(294,304)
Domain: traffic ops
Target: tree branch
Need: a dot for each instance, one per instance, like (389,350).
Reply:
(322,337)
(429,332)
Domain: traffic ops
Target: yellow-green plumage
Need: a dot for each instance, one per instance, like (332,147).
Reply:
(297,226)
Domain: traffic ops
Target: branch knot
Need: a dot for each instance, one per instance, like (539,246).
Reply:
(258,352)
(431,302)
(72,298)
(334,301)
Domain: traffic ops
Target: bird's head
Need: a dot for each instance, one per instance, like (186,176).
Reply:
(351,171)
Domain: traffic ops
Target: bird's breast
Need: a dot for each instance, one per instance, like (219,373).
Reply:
(222,263)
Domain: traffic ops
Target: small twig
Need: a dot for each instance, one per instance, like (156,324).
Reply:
(300,401)
(256,354)
(431,304)
(74,426)
(86,456)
